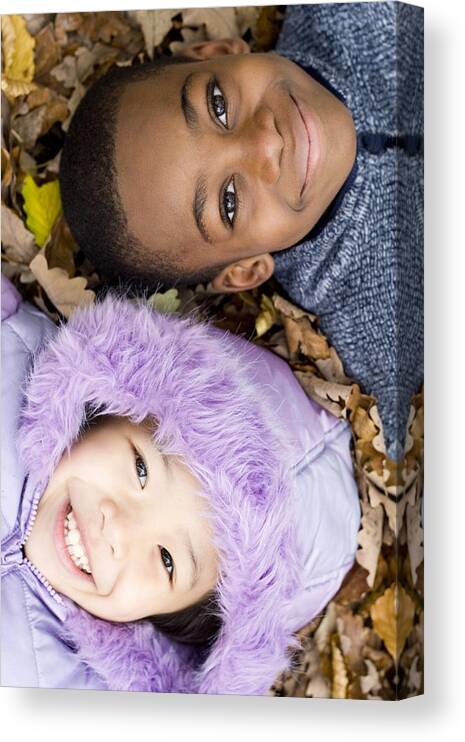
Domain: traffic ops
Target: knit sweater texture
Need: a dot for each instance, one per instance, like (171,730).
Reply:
(362,272)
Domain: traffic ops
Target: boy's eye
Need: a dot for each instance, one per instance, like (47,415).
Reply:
(167,561)
(141,470)
(230,201)
(218,103)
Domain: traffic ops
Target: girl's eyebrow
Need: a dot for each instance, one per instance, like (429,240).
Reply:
(195,564)
(189,112)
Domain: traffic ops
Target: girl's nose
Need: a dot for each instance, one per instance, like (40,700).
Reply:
(257,147)
(116,528)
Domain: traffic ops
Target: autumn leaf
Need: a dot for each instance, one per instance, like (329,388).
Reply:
(392,615)
(155,25)
(370,538)
(17,240)
(267,316)
(340,678)
(18,57)
(64,292)
(167,302)
(220,23)
(42,205)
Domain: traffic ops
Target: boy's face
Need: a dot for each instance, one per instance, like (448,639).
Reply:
(230,157)
(137,542)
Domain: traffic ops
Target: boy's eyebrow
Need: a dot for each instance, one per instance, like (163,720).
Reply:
(190,114)
(200,199)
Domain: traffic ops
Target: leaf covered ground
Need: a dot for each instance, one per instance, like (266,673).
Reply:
(368,643)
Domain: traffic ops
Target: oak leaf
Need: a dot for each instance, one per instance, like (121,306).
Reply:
(155,25)
(64,292)
(219,23)
(17,240)
(370,538)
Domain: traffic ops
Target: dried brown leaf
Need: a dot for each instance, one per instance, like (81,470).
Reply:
(340,678)
(370,538)
(17,240)
(155,25)
(219,23)
(47,51)
(392,615)
(65,293)
(414,537)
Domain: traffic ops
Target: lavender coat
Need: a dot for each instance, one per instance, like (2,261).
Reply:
(276,469)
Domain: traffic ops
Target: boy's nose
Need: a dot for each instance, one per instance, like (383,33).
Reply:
(257,146)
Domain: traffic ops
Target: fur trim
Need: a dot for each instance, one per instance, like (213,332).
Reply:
(125,359)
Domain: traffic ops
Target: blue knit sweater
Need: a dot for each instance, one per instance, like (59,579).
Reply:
(361,269)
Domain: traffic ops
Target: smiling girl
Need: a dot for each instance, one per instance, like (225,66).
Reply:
(174,486)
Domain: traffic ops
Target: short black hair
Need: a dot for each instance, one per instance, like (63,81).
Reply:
(91,203)
(198,625)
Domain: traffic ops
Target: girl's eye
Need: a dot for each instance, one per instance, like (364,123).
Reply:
(141,470)
(167,561)
(230,201)
(219,105)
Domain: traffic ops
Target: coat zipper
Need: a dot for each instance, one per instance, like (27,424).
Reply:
(32,567)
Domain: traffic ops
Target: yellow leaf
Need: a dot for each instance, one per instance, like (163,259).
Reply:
(18,57)
(42,205)
(392,615)
(267,316)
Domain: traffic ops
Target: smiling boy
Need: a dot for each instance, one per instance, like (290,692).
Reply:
(211,166)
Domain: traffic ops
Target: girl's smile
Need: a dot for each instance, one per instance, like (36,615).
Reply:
(123,530)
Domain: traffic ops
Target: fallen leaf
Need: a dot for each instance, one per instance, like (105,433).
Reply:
(340,678)
(59,250)
(42,205)
(246,18)
(370,681)
(166,303)
(370,538)
(29,127)
(47,51)
(66,71)
(338,399)
(392,615)
(219,23)
(267,316)
(353,637)
(414,537)
(17,240)
(18,57)
(155,25)
(65,293)
(317,685)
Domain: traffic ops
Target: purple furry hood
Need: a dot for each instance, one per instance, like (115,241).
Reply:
(202,388)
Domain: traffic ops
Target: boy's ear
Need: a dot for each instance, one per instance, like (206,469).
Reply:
(208,49)
(245,274)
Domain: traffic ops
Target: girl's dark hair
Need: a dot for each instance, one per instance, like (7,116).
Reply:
(199,624)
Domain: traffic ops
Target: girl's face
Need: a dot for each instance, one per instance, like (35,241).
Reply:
(121,529)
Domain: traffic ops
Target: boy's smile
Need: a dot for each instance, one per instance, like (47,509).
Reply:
(228,158)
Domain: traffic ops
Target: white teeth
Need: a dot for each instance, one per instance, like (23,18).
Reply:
(73,542)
